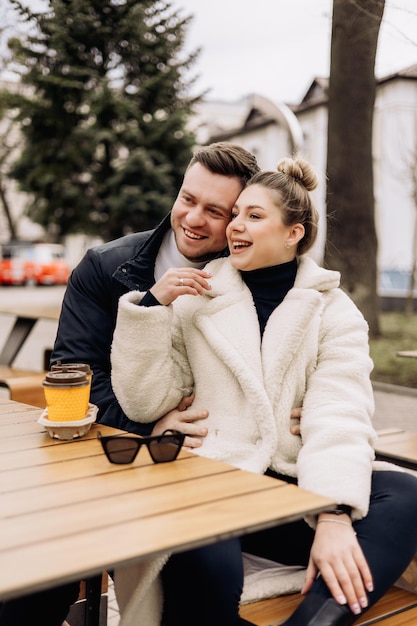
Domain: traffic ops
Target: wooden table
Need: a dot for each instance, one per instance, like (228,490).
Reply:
(26,318)
(66,513)
(397,446)
(410,354)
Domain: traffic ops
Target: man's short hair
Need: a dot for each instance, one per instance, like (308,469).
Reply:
(227,159)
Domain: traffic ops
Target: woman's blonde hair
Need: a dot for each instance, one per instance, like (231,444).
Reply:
(292,182)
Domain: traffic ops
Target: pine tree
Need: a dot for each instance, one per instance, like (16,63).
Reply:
(104,115)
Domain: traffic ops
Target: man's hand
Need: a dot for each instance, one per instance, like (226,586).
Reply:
(182,419)
(295,421)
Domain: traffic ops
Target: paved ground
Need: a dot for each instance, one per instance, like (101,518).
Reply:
(395,407)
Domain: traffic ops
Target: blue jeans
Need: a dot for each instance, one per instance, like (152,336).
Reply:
(49,607)
(204,585)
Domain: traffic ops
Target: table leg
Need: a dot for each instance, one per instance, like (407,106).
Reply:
(93,597)
(16,339)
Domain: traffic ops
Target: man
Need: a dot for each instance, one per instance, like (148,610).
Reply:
(191,235)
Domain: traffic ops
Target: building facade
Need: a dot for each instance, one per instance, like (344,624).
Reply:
(253,123)
(272,130)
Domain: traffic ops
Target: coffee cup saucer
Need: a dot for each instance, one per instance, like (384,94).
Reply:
(69,429)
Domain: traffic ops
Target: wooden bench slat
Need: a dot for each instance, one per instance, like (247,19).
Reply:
(406,618)
(395,601)
(397,604)
(12,372)
(268,612)
(399,447)
(23,385)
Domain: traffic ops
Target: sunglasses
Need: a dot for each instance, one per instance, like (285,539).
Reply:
(121,449)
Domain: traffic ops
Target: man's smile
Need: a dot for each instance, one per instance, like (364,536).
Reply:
(191,235)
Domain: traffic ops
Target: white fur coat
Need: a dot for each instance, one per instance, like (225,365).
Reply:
(314,353)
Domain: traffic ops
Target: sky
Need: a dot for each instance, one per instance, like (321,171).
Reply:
(277,47)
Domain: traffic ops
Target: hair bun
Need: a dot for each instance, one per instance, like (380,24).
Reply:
(300,170)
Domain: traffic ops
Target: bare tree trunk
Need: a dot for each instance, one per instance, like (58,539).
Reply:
(7,145)
(7,212)
(352,241)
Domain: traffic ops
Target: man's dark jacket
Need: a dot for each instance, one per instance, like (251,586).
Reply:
(89,311)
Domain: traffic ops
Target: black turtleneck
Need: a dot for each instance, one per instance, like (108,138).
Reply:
(269,286)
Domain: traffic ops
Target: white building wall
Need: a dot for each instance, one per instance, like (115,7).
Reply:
(395,168)
(395,172)
(314,126)
(269,144)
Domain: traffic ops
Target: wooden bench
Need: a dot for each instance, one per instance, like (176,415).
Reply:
(398,607)
(397,446)
(23,385)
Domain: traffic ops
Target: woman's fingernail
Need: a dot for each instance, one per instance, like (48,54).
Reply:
(341,600)
(355,608)
(363,602)
(370,587)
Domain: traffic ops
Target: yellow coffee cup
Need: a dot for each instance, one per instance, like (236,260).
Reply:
(67,394)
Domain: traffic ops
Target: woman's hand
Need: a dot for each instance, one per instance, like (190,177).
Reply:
(182,419)
(337,555)
(179,281)
(295,420)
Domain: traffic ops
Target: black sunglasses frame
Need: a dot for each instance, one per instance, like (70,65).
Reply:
(167,437)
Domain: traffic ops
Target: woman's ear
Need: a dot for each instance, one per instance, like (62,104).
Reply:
(295,235)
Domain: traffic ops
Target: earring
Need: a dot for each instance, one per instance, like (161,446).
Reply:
(287,245)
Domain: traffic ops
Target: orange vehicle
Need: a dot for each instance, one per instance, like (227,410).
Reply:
(33,264)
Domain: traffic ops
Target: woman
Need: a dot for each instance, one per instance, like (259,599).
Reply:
(252,336)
